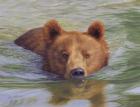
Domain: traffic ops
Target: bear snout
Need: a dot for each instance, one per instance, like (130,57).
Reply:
(77,73)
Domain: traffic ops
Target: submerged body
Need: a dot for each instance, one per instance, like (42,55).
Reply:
(71,54)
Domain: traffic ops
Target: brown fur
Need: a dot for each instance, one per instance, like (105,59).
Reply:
(63,50)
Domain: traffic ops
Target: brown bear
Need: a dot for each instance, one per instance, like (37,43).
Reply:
(71,54)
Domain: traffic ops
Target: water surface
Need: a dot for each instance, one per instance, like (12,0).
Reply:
(24,84)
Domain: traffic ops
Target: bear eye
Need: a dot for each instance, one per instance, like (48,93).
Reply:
(65,55)
(87,55)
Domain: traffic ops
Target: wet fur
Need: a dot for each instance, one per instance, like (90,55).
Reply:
(50,41)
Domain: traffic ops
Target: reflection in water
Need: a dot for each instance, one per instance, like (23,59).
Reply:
(88,93)
(90,90)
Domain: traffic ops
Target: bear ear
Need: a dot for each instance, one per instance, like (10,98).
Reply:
(52,29)
(96,29)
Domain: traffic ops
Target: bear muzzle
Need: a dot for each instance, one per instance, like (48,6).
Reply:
(77,73)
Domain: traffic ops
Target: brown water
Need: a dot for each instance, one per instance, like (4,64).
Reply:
(24,84)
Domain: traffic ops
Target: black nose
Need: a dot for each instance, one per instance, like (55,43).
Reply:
(77,72)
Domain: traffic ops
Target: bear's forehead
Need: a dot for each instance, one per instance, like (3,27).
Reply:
(77,39)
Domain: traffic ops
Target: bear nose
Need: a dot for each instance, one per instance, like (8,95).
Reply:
(77,73)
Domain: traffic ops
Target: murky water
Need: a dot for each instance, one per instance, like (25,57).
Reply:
(24,84)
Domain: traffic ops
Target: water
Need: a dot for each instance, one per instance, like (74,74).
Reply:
(24,84)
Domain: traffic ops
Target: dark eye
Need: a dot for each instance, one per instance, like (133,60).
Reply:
(86,55)
(65,55)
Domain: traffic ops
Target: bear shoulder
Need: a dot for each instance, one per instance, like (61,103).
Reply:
(33,40)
